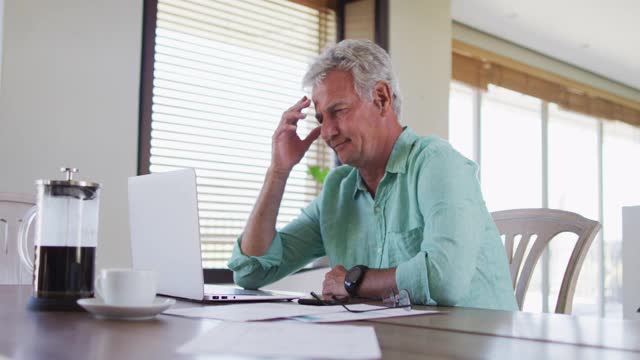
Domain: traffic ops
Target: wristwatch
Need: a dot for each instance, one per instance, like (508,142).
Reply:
(353,279)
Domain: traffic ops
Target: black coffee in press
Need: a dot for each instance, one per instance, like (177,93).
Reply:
(64,272)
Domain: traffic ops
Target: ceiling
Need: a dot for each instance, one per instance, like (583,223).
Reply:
(602,37)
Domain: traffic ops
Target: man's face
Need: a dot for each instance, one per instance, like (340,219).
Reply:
(350,125)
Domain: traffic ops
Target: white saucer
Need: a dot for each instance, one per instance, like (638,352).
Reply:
(103,311)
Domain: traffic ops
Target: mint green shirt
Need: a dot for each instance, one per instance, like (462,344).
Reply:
(428,219)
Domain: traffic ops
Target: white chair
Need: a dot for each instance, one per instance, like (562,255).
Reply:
(543,225)
(13,207)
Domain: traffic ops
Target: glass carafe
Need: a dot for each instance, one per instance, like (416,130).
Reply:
(66,238)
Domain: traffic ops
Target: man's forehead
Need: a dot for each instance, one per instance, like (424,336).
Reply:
(328,93)
(332,103)
(334,79)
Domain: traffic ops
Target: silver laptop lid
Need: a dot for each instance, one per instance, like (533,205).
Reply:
(165,233)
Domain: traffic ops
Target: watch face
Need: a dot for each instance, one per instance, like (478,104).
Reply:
(353,275)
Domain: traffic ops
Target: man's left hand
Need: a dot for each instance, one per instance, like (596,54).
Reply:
(333,283)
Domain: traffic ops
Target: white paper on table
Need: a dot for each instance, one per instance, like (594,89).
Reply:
(253,311)
(287,339)
(283,310)
(349,316)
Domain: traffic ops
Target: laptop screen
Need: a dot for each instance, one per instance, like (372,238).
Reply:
(165,233)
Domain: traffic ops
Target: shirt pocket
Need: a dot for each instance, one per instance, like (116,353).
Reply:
(404,245)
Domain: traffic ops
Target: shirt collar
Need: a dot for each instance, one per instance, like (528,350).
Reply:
(397,162)
(360,186)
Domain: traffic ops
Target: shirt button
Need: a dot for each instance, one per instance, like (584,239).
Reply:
(377,209)
(379,250)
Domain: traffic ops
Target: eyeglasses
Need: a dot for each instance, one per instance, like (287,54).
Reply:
(393,300)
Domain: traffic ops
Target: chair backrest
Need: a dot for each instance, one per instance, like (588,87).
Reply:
(13,207)
(542,225)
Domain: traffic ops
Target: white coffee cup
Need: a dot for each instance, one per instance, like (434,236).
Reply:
(126,287)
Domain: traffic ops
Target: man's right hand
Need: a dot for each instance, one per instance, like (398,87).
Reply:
(287,148)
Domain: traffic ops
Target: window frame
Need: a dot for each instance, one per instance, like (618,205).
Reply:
(150,10)
(599,241)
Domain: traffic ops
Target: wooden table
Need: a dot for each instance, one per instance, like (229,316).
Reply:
(459,333)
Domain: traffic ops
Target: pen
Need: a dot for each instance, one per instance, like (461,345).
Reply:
(317,297)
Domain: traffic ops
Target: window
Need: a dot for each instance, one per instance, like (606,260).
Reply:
(621,149)
(552,142)
(461,119)
(573,186)
(510,120)
(223,73)
(511,179)
(535,154)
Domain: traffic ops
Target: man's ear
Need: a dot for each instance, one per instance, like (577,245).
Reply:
(382,96)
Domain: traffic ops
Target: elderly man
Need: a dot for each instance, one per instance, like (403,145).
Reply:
(404,212)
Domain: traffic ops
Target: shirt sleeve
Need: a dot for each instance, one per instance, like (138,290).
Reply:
(450,201)
(297,244)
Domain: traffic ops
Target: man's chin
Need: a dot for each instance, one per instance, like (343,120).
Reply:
(345,160)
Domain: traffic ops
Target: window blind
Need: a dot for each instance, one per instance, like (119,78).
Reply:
(479,68)
(224,71)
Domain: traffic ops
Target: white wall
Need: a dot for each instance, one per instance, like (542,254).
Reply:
(70,82)
(420,48)
(69,97)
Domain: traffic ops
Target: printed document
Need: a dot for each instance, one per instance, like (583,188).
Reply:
(339,316)
(287,339)
(288,310)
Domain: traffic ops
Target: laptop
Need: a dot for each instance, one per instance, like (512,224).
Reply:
(165,237)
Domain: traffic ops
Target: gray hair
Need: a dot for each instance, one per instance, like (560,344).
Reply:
(367,62)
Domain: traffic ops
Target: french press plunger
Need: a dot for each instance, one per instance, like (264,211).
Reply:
(66,238)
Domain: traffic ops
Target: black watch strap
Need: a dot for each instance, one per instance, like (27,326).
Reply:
(353,279)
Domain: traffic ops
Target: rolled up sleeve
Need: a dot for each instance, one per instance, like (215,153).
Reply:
(451,204)
(297,244)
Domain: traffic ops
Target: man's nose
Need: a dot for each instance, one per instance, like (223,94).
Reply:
(328,130)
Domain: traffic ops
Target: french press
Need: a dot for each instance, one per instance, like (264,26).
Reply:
(66,238)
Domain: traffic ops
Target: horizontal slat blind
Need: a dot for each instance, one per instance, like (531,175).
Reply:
(224,71)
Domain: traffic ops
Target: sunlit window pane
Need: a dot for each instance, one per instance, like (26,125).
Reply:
(511,161)
(511,176)
(621,182)
(511,150)
(223,74)
(573,186)
(461,134)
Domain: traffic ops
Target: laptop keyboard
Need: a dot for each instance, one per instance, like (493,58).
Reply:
(224,290)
